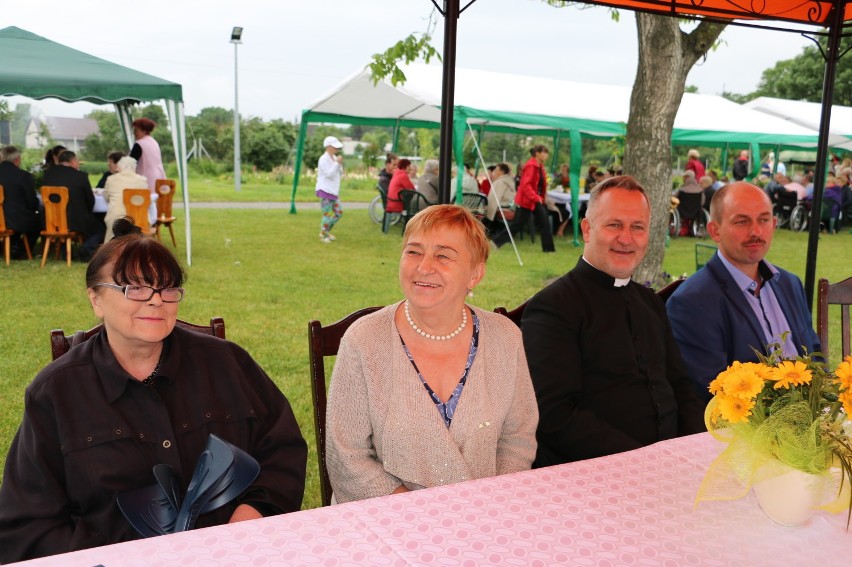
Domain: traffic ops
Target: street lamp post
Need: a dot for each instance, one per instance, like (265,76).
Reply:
(236,34)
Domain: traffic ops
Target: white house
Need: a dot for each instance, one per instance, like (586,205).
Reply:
(70,132)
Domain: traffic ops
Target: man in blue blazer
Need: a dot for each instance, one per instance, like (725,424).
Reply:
(739,302)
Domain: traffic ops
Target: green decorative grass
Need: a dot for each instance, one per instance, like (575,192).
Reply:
(267,273)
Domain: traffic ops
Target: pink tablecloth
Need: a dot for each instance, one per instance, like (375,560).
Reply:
(634,508)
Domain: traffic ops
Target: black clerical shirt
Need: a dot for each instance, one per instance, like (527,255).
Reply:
(607,372)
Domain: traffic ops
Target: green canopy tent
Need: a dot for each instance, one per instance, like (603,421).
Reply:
(37,68)
(559,109)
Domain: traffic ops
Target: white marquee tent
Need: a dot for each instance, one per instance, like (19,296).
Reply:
(489,101)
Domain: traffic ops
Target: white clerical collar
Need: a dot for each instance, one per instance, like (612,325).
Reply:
(618,282)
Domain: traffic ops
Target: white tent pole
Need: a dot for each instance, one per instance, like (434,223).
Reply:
(490,193)
(122,110)
(177,122)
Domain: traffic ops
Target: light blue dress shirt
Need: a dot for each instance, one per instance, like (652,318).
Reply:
(765,305)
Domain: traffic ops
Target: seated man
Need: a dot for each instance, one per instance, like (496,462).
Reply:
(427,184)
(738,301)
(606,370)
(20,205)
(80,202)
(386,173)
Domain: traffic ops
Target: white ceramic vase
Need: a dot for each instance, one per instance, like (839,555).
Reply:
(789,498)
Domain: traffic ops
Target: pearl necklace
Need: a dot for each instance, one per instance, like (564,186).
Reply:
(426,335)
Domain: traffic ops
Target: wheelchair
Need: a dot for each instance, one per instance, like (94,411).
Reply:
(785,203)
(692,217)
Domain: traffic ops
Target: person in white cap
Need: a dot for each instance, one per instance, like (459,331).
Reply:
(329,172)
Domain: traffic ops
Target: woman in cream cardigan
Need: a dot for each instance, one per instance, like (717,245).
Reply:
(430,391)
(124,178)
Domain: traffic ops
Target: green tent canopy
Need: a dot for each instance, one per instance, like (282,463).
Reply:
(37,68)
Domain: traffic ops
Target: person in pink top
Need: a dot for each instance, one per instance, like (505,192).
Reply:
(149,161)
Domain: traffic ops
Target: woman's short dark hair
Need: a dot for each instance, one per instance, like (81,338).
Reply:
(132,257)
(403,163)
(115,156)
(504,167)
(145,124)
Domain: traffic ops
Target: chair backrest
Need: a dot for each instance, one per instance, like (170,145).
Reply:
(834,294)
(323,342)
(666,292)
(690,204)
(384,195)
(703,254)
(786,201)
(166,191)
(136,203)
(515,314)
(55,201)
(476,202)
(412,203)
(60,344)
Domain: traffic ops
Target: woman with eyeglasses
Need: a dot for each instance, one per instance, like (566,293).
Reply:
(140,393)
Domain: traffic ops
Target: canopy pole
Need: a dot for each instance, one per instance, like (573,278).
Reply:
(445,155)
(297,167)
(395,140)
(575,170)
(832,55)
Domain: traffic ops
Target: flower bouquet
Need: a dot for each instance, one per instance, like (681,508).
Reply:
(785,421)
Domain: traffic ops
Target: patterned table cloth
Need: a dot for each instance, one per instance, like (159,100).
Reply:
(634,508)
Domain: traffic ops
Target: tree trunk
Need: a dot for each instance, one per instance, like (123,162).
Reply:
(666,54)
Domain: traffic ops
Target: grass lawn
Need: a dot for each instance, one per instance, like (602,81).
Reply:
(267,273)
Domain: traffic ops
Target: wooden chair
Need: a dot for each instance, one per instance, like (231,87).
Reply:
(55,201)
(136,203)
(834,294)
(166,191)
(515,314)
(60,344)
(323,342)
(518,312)
(666,292)
(6,234)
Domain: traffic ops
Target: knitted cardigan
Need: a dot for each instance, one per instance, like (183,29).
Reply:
(384,430)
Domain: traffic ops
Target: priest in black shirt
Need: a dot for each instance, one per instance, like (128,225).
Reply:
(606,370)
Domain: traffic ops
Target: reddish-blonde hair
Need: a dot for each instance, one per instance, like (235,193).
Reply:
(451,217)
(145,124)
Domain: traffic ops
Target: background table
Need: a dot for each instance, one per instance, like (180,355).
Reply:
(634,508)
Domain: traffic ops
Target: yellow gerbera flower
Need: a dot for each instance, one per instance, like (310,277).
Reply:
(735,410)
(844,374)
(742,381)
(791,373)
(846,400)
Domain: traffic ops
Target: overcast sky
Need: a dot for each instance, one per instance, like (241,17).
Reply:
(296,51)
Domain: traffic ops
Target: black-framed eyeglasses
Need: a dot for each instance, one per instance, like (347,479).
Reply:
(144,292)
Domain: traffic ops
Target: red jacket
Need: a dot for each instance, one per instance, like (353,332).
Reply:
(399,181)
(696,166)
(533,186)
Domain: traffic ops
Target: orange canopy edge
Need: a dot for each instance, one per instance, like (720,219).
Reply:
(813,12)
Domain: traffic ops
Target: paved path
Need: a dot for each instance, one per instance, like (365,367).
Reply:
(309,206)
